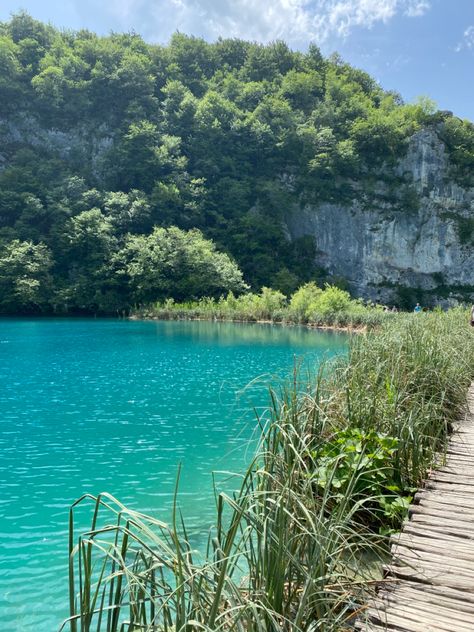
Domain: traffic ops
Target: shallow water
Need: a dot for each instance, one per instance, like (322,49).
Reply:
(109,405)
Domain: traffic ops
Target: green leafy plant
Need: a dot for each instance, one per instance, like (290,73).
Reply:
(362,463)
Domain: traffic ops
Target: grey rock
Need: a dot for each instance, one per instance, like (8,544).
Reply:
(382,247)
(80,142)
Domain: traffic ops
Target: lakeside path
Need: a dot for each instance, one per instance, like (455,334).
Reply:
(432,564)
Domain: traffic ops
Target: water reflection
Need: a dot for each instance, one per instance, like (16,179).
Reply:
(224,333)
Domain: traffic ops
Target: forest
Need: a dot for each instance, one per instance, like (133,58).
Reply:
(132,172)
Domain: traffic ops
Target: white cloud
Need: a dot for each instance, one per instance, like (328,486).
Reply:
(417,8)
(296,21)
(340,17)
(467,40)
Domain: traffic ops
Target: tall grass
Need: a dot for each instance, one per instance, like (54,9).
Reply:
(309,305)
(338,459)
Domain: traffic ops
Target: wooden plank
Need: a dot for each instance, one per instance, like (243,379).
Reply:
(449,515)
(455,459)
(445,499)
(433,619)
(433,599)
(455,470)
(436,539)
(448,478)
(448,487)
(459,451)
(370,626)
(459,463)
(430,483)
(444,591)
(450,465)
(426,559)
(437,578)
(454,477)
(431,564)
(445,496)
(450,496)
(406,621)
(437,546)
(440,506)
(459,441)
(448,617)
(420,519)
(457,546)
(428,569)
(442,513)
(437,530)
(457,456)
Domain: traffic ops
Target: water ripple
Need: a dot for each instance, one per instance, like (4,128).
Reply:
(90,405)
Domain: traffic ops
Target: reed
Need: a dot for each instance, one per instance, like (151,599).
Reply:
(294,549)
(307,306)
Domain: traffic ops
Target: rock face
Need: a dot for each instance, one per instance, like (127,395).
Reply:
(82,143)
(382,247)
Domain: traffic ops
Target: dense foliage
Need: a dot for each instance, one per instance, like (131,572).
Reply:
(309,305)
(104,138)
(339,459)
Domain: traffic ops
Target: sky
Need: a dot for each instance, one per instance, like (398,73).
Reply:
(416,47)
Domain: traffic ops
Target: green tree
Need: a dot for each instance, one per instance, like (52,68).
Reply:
(302,89)
(171,263)
(145,155)
(458,135)
(25,277)
(193,61)
(87,246)
(303,299)
(128,212)
(10,75)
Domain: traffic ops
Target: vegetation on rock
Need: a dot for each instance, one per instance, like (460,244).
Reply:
(104,139)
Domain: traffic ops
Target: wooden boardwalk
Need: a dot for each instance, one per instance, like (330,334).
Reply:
(432,564)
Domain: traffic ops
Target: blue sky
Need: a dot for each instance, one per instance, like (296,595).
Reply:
(417,47)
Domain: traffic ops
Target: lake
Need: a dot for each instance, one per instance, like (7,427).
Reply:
(109,405)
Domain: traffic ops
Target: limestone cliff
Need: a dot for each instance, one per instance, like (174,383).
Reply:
(382,247)
(81,143)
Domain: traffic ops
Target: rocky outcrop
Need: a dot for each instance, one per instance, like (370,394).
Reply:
(81,144)
(383,247)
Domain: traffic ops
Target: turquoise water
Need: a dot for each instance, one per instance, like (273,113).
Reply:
(108,405)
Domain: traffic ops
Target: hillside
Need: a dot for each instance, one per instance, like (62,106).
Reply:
(296,166)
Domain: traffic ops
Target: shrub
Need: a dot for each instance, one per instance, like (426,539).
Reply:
(331,301)
(302,299)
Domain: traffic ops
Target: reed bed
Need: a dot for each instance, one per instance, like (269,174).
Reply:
(310,305)
(294,549)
